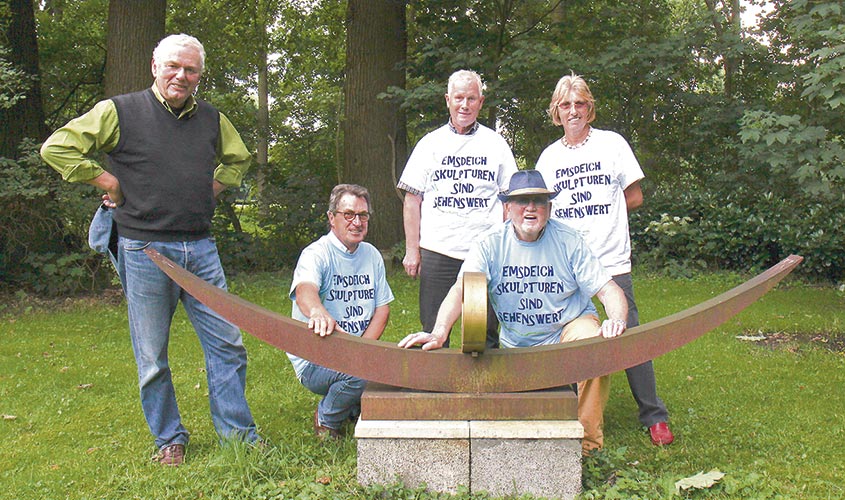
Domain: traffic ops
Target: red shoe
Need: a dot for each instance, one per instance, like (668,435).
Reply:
(660,434)
(322,431)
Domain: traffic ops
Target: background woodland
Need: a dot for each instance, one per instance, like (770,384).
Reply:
(738,126)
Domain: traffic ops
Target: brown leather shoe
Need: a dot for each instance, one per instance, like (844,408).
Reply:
(322,431)
(661,434)
(172,455)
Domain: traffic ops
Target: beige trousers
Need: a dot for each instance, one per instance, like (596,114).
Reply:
(594,393)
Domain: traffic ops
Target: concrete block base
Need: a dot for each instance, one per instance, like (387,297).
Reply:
(537,457)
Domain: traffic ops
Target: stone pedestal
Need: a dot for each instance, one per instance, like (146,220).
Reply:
(496,454)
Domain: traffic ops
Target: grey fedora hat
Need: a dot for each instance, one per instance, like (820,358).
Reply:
(526,182)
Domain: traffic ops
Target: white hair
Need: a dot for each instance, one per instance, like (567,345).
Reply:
(464,75)
(181,40)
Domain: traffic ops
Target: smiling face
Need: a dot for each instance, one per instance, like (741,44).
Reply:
(177,73)
(464,101)
(350,232)
(573,107)
(529,215)
(574,114)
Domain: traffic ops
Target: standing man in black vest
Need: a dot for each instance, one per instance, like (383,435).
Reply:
(170,155)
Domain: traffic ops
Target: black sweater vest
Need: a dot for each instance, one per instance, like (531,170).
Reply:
(166,169)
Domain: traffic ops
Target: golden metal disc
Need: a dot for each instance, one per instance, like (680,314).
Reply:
(474,313)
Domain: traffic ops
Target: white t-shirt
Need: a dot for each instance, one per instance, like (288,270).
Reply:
(537,287)
(460,177)
(351,285)
(592,180)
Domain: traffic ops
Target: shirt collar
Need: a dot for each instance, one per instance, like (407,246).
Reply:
(339,244)
(189,109)
(472,130)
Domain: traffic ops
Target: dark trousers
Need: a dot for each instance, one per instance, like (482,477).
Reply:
(438,273)
(641,378)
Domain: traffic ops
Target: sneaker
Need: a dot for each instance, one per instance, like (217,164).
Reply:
(172,455)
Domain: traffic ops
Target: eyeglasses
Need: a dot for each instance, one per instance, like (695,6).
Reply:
(538,200)
(579,105)
(350,216)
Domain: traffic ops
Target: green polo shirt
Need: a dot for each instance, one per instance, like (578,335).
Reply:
(69,149)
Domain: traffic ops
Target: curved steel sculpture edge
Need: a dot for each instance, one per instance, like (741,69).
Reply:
(496,370)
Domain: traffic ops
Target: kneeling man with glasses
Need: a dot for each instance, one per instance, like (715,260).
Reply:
(339,285)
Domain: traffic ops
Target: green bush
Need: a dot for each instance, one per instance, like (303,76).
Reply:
(293,215)
(43,229)
(289,213)
(686,231)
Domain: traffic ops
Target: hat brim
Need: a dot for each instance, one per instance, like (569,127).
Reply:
(527,192)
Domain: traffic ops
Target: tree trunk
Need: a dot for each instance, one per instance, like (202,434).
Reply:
(26,117)
(731,61)
(375,138)
(134,29)
(262,139)
(727,25)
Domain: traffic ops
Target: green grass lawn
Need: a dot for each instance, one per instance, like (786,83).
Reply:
(770,415)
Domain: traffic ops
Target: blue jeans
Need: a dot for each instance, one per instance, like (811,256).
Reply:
(341,394)
(152,298)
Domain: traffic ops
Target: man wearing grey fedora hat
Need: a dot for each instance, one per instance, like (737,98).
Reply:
(541,277)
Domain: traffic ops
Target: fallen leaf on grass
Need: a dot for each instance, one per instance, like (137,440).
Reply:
(699,481)
(751,338)
(324,480)
(92,450)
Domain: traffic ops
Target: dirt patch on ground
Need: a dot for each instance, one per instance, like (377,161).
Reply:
(793,342)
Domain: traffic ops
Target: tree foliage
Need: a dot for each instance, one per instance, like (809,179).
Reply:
(72,49)
(286,198)
(731,123)
(798,137)
(34,217)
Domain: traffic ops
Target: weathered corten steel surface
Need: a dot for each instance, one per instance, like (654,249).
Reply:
(383,402)
(496,370)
